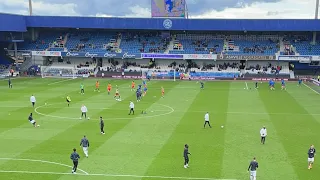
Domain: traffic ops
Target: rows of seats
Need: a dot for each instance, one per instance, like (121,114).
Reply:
(42,43)
(199,47)
(255,47)
(154,42)
(306,48)
(143,43)
(198,44)
(253,44)
(267,68)
(93,42)
(75,63)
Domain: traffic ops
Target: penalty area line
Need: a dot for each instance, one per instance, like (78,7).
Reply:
(42,161)
(311,88)
(60,81)
(113,175)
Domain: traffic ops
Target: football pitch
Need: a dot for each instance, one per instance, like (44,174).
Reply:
(150,145)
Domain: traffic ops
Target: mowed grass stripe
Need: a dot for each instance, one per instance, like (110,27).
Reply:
(22,102)
(243,139)
(25,137)
(310,104)
(296,133)
(17,117)
(129,147)
(206,145)
(73,134)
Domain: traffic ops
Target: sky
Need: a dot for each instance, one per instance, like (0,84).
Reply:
(200,9)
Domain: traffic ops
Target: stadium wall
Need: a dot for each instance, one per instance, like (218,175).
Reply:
(20,23)
(12,23)
(174,24)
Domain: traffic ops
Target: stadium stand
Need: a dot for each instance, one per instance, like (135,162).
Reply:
(196,44)
(46,41)
(302,45)
(141,42)
(135,42)
(252,44)
(266,68)
(93,42)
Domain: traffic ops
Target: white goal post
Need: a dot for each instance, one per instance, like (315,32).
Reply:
(58,72)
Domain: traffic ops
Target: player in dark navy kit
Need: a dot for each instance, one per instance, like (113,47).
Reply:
(253,166)
(138,94)
(299,82)
(201,85)
(32,121)
(9,83)
(311,154)
(75,159)
(186,156)
(256,85)
(101,125)
(283,85)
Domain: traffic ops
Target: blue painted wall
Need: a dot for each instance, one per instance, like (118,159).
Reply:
(13,23)
(174,24)
(10,22)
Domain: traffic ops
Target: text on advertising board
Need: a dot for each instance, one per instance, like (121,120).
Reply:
(46,53)
(294,58)
(246,57)
(200,56)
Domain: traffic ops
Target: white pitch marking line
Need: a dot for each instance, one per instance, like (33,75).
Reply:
(311,88)
(61,117)
(60,81)
(42,161)
(113,175)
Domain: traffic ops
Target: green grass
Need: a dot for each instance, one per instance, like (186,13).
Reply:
(150,146)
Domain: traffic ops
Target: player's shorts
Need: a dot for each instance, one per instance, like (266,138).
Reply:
(132,87)
(310,159)
(117,94)
(97,87)
(33,121)
(109,89)
(85,149)
(253,173)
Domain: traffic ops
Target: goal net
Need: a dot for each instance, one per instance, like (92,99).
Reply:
(58,72)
